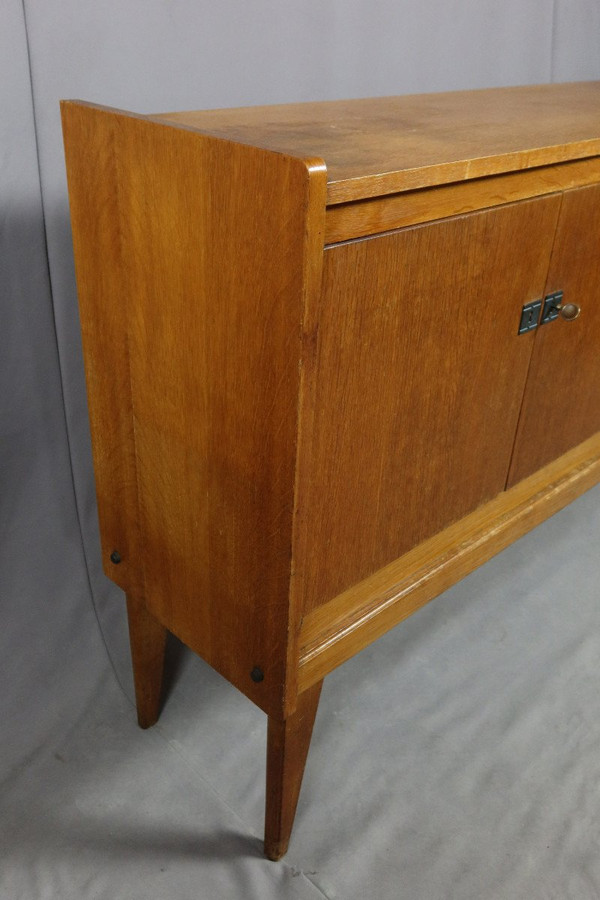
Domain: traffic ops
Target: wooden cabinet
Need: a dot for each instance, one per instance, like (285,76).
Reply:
(316,399)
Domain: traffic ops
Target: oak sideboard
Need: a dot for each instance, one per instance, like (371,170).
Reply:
(338,354)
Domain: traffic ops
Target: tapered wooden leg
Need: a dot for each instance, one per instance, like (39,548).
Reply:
(147,638)
(288,741)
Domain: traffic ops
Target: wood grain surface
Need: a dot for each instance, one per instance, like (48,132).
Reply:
(203,278)
(362,218)
(383,145)
(147,640)
(288,742)
(420,378)
(335,632)
(561,407)
(101,287)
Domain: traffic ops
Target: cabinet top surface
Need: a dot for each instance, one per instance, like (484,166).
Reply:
(385,145)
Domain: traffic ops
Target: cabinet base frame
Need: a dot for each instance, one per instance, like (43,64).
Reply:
(336,631)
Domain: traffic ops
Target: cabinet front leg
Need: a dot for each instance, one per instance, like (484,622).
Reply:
(288,741)
(147,638)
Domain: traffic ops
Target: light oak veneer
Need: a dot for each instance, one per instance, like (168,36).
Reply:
(311,407)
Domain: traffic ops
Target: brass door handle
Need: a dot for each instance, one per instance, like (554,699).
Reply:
(569,311)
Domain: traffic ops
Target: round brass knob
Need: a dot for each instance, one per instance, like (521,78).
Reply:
(569,311)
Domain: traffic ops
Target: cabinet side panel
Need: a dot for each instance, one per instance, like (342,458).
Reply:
(213,239)
(561,407)
(420,377)
(92,178)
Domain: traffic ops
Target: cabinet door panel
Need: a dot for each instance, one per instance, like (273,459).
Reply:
(561,406)
(420,377)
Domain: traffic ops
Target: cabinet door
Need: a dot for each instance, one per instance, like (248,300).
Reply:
(561,407)
(420,378)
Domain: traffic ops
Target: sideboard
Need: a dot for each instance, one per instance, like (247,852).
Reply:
(337,355)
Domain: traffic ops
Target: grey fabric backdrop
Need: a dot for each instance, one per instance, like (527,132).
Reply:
(458,757)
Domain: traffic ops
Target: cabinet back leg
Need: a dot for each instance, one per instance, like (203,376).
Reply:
(147,638)
(288,741)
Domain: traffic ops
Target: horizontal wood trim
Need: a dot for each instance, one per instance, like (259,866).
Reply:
(373,216)
(338,630)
